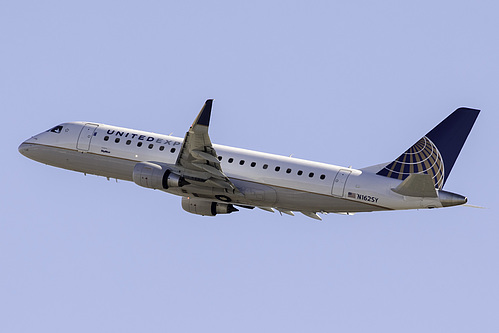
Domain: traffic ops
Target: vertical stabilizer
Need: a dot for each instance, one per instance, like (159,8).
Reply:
(436,152)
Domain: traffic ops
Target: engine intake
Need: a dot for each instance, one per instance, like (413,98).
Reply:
(205,207)
(156,176)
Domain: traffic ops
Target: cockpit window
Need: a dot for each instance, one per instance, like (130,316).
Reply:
(56,129)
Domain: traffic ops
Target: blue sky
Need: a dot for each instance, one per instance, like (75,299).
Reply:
(351,83)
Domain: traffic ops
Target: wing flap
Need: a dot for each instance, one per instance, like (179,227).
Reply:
(213,171)
(205,156)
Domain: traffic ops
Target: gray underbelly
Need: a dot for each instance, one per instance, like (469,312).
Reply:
(89,163)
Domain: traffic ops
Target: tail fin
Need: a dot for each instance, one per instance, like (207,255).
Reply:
(436,153)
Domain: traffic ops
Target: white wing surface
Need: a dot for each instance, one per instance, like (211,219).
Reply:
(198,159)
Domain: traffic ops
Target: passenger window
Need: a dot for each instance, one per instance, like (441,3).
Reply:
(161,148)
(106,138)
(128,142)
(139,144)
(231,160)
(311,174)
(172,150)
(56,129)
(117,140)
(241,162)
(253,164)
(277,168)
(150,146)
(323,177)
(288,170)
(265,166)
(299,173)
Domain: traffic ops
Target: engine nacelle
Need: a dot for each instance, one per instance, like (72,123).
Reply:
(205,207)
(156,176)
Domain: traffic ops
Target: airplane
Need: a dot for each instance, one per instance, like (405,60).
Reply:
(215,179)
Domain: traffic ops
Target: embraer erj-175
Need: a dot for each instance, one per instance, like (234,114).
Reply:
(214,179)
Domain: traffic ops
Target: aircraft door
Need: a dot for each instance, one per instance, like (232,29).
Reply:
(340,182)
(86,134)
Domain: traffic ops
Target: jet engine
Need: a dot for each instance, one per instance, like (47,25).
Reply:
(156,176)
(205,207)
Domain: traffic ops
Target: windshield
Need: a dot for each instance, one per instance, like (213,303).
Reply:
(56,129)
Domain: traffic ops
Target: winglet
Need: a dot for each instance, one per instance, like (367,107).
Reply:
(204,115)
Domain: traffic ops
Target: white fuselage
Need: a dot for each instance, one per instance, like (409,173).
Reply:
(265,180)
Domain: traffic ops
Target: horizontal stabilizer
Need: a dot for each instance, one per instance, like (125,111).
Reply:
(417,185)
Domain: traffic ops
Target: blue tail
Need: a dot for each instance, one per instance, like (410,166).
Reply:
(436,153)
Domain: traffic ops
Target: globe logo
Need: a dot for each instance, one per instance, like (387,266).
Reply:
(422,157)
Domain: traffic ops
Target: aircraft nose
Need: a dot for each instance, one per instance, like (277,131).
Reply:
(23,148)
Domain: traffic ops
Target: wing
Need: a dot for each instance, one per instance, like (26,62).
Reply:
(197,157)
